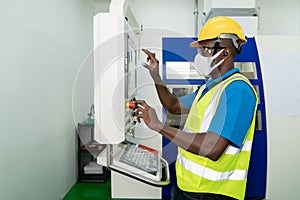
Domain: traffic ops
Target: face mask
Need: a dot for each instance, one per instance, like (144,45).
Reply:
(203,65)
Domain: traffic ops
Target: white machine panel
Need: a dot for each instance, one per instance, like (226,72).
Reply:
(109,78)
(281,75)
(116,58)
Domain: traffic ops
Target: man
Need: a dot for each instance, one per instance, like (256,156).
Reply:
(215,145)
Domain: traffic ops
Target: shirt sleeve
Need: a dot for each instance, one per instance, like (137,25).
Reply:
(234,113)
(187,100)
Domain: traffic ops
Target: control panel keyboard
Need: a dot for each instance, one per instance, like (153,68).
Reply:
(141,158)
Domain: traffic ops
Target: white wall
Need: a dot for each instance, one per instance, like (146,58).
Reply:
(278,17)
(43,43)
(102,5)
(175,15)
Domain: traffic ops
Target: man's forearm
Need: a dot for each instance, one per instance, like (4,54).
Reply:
(208,144)
(189,141)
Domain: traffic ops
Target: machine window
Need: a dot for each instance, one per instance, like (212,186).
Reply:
(258,121)
(248,69)
(181,70)
(186,70)
(256,87)
(178,121)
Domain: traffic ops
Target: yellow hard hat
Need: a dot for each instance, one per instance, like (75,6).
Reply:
(218,26)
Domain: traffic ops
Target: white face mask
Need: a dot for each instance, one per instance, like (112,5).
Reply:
(203,64)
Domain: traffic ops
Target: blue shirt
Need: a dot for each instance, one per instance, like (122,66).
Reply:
(235,109)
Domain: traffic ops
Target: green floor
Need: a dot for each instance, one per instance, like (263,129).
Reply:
(90,191)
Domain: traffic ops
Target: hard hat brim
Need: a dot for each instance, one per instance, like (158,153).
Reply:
(194,44)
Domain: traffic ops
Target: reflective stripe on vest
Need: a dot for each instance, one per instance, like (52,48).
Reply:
(211,174)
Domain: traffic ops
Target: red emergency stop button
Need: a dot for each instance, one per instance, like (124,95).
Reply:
(130,104)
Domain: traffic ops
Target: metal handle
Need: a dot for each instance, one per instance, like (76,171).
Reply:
(144,179)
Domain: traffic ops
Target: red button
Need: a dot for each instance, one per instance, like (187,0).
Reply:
(130,104)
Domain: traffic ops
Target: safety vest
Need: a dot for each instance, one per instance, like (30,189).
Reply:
(227,175)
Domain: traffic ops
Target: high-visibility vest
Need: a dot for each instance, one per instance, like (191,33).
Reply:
(226,176)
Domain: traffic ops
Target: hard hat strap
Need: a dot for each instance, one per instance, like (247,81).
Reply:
(217,46)
(234,39)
